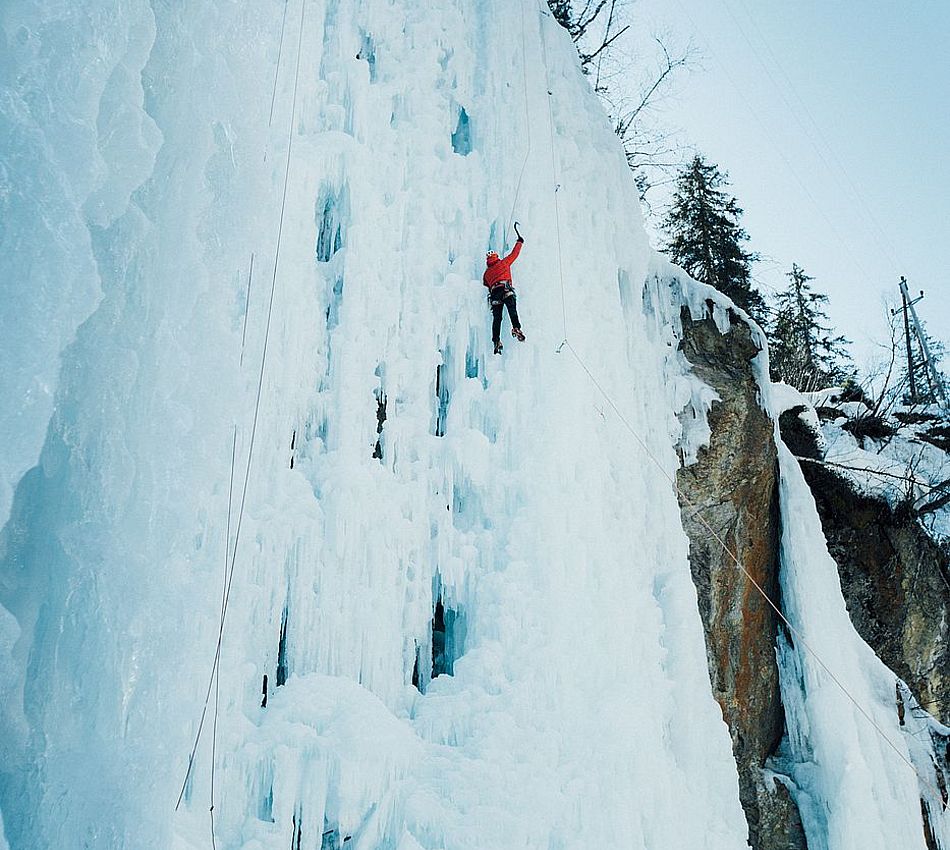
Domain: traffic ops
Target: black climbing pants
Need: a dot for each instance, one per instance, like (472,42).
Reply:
(501,297)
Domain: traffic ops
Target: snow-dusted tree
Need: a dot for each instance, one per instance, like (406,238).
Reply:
(706,239)
(804,350)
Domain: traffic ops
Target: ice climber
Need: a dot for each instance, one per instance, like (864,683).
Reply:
(501,291)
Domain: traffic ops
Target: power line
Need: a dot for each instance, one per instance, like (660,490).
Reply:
(855,255)
(855,190)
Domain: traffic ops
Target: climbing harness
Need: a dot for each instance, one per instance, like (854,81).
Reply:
(566,343)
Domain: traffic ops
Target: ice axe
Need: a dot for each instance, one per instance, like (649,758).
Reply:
(520,237)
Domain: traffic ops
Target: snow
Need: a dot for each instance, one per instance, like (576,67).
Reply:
(899,462)
(904,466)
(668,291)
(786,397)
(183,149)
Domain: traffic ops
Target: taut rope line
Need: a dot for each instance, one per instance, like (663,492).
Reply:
(527,120)
(257,408)
(686,500)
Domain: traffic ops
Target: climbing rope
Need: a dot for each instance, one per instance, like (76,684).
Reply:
(527,120)
(257,408)
(557,186)
(224,587)
(280,49)
(213,679)
(734,558)
(247,306)
(566,343)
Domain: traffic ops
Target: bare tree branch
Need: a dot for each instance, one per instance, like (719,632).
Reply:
(589,57)
(625,123)
(598,29)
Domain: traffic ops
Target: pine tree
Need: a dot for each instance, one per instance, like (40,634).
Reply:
(803,350)
(705,236)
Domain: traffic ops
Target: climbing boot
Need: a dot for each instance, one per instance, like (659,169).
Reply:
(517,334)
(498,347)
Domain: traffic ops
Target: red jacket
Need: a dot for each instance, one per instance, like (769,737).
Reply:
(499,270)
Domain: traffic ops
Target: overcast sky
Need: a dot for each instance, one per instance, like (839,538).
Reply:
(832,118)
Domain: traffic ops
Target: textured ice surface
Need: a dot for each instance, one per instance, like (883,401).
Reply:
(399,469)
(854,789)
(76,143)
(501,489)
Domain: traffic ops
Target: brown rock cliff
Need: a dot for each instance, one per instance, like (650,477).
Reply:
(734,486)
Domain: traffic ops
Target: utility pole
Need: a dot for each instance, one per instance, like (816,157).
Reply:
(911,371)
(933,376)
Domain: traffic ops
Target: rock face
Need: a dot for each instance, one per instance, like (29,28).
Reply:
(893,575)
(734,487)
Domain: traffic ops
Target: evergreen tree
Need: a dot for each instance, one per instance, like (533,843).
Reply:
(705,237)
(804,352)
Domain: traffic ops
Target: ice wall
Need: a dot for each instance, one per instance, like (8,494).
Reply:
(76,143)
(262,245)
(862,769)
(400,472)
(852,759)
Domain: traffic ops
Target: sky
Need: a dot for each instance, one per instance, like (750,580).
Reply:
(833,121)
